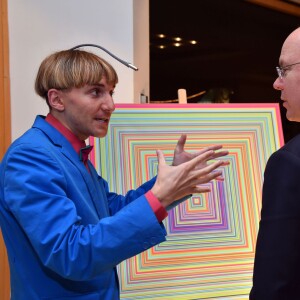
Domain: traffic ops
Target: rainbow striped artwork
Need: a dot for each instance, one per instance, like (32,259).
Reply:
(210,246)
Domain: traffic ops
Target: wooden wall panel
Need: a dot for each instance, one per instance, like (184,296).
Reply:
(284,6)
(5,131)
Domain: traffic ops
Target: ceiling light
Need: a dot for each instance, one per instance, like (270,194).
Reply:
(161,35)
(178,39)
(193,42)
(161,46)
(177,44)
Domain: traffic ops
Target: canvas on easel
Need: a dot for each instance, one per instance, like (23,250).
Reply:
(210,246)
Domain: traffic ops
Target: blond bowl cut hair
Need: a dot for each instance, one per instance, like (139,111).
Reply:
(69,69)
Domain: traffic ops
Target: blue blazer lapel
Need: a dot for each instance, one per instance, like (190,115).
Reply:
(95,190)
(99,193)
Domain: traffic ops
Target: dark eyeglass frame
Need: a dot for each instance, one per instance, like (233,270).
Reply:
(281,70)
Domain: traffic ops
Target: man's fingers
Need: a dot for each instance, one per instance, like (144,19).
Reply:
(198,181)
(216,154)
(160,157)
(200,159)
(201,189)
(181,143)
(213,147)
(209,169)
(220,154)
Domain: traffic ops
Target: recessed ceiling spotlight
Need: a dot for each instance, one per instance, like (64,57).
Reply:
(178,39)
(161,35)
(161,46)
(177,44)
(193,42)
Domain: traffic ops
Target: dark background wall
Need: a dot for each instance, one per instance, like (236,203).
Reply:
(237,50)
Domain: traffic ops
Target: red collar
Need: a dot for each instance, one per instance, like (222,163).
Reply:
(68,134)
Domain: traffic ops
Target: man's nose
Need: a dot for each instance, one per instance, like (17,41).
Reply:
(278,84)
(108,104)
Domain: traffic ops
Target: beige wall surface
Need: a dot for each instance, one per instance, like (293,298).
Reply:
(38,28)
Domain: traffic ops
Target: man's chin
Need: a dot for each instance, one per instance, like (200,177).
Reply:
(292,118)
(99,134)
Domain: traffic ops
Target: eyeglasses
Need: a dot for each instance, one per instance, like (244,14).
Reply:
(281,70)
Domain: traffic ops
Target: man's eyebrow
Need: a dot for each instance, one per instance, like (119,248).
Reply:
(100,85)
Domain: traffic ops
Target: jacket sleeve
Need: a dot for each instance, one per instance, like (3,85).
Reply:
(117,202)
(277,258)
(35,194)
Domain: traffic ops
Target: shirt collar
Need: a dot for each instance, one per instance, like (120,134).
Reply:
(68,134)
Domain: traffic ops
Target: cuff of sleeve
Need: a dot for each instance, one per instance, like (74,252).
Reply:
(158,209)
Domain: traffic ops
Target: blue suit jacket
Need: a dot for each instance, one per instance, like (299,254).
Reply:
(277,260)
(64,231)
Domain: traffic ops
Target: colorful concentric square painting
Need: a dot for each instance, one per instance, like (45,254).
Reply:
(210,245)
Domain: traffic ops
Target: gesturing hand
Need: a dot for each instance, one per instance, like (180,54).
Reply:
(175,182)
(181,156)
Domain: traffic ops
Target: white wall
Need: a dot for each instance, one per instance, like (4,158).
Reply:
(39,27)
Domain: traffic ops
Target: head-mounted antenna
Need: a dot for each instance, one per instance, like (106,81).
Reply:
(127,64)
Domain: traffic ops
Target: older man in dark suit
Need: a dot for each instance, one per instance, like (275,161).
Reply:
(277,260)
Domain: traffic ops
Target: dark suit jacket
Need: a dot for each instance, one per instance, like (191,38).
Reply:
(56,221)
(277,259)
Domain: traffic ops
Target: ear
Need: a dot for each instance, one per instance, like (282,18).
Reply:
(55,100)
